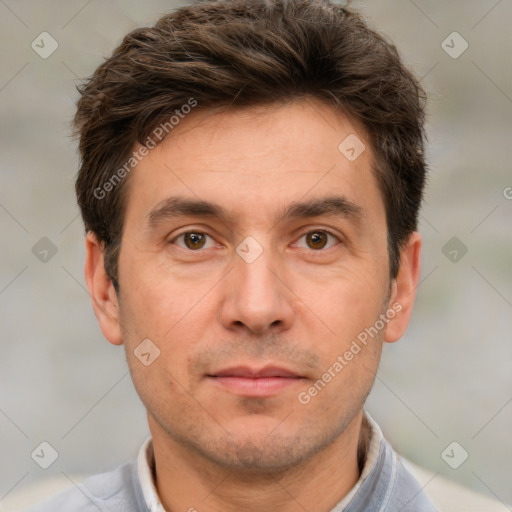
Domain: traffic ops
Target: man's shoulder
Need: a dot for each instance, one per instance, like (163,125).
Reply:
(386,484)
(402,489)
(414,484)
(405,492)
(108,492)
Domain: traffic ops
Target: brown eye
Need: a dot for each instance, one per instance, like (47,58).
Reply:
(193,241)
(317,239)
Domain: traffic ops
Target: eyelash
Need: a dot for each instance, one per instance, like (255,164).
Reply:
(324,231)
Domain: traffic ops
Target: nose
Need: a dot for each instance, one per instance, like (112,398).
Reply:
(256,297)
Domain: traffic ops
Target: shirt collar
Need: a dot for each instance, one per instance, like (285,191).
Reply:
(372,456)
(145,464)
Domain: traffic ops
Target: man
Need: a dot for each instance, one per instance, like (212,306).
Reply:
(250,181)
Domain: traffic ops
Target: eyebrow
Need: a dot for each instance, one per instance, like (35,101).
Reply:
(174,207)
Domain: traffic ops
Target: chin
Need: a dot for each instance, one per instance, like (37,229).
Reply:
(261,445)
(260,455)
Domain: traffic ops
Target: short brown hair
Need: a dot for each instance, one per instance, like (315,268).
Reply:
(243,53)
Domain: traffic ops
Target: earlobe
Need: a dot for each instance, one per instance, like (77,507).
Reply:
(404,288)
(102,292)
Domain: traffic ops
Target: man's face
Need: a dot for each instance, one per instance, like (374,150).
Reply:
(251,309)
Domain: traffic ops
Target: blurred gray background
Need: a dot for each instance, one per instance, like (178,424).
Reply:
(449,379)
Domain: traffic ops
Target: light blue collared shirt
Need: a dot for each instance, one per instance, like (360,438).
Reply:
(385,485)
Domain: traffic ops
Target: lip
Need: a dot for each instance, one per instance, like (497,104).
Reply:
(255,382)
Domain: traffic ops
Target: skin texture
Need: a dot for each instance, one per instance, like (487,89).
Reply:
(300,304)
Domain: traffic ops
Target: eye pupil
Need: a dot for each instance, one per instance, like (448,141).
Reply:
(316,240)
(194,240)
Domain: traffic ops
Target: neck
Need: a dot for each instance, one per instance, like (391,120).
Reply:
(187,481)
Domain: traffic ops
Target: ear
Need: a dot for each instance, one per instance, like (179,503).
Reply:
(102,291)
(403,288)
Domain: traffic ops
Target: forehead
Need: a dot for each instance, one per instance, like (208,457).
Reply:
(257,160)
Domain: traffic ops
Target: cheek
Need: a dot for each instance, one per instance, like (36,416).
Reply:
(350,350)
(151,302)
(348,301)
(172,314)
